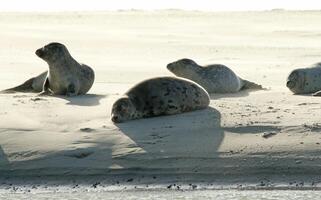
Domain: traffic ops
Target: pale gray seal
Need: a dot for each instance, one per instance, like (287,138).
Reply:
(65,76)
(305,80)
(159,96)
(215,78)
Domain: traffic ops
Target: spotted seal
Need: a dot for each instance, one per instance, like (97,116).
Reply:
(159,96)
(305,80)
(65,76)
(215,78)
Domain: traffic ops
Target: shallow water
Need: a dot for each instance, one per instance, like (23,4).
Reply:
(183,195)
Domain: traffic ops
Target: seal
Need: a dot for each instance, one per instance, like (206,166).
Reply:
(159,96)
(215,78)
(305,80)
(65,76)
(34,84)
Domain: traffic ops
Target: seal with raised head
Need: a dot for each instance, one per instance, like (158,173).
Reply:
(65,76)
(159,96)
(215,78)
(305,80)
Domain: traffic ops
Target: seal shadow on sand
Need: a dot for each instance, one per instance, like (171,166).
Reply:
(241,93)
(83,100)
(178,142)
(3,158)
(244,93)
(188,136)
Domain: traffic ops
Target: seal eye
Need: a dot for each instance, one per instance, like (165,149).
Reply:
(121,108)
(185,62)
(53,49)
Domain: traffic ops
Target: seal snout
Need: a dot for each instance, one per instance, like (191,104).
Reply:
(293,79)
(115,119)
(290,84)
(170,66)
(40,52)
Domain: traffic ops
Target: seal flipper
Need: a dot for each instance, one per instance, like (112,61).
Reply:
(248,85)
(71,90)
(46,88)
(317,94)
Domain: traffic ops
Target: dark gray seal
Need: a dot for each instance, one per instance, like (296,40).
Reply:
(159,96)
(215,78)
(34,84)
(65,76)
(305,80)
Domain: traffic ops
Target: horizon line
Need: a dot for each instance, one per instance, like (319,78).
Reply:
(153,10)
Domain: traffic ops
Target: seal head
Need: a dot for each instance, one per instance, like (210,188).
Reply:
(52,52)
(122,110)
(296,81)
(182,67)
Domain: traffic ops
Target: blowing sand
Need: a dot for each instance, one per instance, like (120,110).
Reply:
(271,136)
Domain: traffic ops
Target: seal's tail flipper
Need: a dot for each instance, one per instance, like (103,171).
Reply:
(25,87)
(248,85)
(317,94)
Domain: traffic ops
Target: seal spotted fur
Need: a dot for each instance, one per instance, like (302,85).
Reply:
(305,80)
(159,96)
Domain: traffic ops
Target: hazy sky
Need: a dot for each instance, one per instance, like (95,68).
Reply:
(215,5)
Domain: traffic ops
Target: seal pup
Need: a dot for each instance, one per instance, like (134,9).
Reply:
(65,76)
(159,96)
(305,80)
(215,78)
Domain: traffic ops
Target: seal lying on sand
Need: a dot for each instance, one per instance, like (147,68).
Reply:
(214,78)
(159,96)
(305,80)
(65,77)
(34,84)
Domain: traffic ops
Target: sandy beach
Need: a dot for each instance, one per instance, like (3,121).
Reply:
(74,137)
